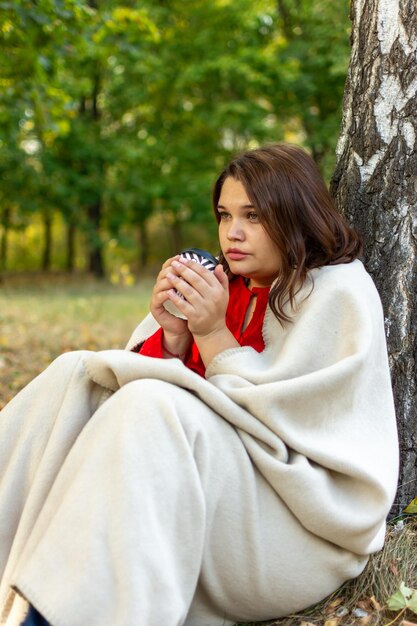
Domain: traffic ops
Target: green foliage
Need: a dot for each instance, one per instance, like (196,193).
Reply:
(314,50)
(116,113)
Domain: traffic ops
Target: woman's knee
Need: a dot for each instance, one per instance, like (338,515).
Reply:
(160,404)
(152,395)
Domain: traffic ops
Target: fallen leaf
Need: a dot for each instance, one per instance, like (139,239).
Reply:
(375,603)
(404,597)
(334,604)
(412,507)
(331,622)
(407,623)
(412,604)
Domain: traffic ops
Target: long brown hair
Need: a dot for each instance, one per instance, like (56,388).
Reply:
(294,206)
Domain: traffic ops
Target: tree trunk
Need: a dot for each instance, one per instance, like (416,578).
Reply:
(5,221)
(70,245)
(94,210)
(47,241)
(375,185)
(95,244)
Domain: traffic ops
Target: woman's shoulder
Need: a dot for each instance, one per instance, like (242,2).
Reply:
(347,277)
(346,284)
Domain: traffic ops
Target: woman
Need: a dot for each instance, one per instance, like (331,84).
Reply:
(244,474)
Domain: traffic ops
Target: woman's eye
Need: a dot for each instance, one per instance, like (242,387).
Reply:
(253,217)
(223,215)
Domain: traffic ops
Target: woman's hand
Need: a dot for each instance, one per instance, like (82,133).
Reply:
(177,337)
(206,298)
(206,295)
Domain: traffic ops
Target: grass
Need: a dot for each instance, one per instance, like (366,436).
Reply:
(43,317)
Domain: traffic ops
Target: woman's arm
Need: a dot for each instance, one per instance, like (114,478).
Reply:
(206,297)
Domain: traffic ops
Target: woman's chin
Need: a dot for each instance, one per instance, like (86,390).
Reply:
(237,268)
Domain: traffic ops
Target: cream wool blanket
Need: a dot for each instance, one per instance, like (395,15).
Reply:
(135,493)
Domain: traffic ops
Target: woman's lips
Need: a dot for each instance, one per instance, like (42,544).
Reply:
(236,255)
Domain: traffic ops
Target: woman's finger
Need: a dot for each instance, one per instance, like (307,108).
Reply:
(221,276)
(195,275)
(190,292)
(162,285)
(181,303)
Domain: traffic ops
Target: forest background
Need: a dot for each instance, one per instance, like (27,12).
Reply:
(116,116)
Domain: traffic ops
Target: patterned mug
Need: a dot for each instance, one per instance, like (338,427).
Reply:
(200,256)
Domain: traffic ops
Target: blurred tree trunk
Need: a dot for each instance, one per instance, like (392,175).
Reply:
(95,253)
(5,221)
(47,241)
(95,209)
(375,185)
(70,246)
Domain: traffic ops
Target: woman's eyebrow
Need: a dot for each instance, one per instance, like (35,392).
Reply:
(242,207)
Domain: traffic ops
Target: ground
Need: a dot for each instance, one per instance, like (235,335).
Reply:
(42,317)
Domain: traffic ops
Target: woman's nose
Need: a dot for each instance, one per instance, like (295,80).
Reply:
(235,231)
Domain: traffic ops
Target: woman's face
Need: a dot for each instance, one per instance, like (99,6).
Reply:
(245,244)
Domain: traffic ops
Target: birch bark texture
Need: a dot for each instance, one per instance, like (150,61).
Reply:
(375,185)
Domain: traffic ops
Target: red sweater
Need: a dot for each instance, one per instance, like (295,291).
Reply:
(239,298)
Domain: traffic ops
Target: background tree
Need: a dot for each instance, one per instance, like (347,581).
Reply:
(124,111)
(35,39)
(312,48)
(375,184)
